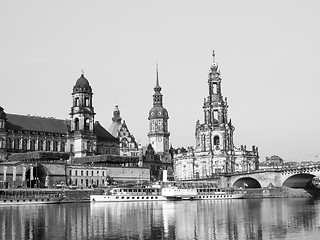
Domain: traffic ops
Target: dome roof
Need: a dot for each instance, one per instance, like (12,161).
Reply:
(82,81)
(158,112)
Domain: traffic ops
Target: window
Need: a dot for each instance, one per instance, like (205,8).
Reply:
(81,173)
(55,146)
(17,144)
(76,102)
(48,145)
(40,145)
(63,147)
(87,102)
(87,124)
(32,145)
(89,147)
(76,173)
(216,141)
(76,124)
(25,144)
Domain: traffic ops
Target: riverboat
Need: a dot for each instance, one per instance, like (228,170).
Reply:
(131,194)
(175,193)
(219,193)
(12,199)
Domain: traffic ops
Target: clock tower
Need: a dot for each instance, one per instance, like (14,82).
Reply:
(158,125)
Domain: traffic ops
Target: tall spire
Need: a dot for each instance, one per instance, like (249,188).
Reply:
(157,88)
(157,75)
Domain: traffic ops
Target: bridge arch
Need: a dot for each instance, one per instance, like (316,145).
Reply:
(37,176)
(300,180)
(247,182)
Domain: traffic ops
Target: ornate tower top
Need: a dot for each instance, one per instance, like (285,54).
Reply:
(158,111)
(82,86)
(116,115)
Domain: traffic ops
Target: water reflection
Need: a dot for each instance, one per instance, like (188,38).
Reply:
(226,219)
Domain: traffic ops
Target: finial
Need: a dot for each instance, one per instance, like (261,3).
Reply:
(157,75)
(213,56)
(82,71)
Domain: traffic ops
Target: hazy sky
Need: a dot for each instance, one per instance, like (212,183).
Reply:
(268,53)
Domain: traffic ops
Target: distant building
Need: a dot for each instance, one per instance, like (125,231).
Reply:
(214,152)
(274,161)
(119,129)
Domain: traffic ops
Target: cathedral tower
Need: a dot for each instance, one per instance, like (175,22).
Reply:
(158,125)
(215,134)
(82,119)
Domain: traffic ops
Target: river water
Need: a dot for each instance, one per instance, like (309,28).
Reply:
(194,220)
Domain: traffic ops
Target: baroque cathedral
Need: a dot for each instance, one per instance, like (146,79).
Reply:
(214,152)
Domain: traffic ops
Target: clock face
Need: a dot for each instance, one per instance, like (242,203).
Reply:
(159,139)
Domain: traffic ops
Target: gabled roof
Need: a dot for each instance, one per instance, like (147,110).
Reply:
(40,124)
(102,133)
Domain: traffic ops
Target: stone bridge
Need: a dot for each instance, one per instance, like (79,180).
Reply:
(290,177)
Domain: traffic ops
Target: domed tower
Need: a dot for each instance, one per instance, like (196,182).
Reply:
(3,134)
(158,125)
(82,118)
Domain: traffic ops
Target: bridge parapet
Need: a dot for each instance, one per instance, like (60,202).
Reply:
(302,170)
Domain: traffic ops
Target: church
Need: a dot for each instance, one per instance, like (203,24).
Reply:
(214,152)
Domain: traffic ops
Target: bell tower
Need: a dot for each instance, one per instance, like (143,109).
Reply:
(82,119)
(158,125)
(216,134)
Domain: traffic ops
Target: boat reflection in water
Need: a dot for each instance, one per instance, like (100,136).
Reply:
(227,219)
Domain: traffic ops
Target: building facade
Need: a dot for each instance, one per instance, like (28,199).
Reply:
(214,151)
(39,152)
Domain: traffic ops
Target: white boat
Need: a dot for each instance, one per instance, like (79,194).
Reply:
(131,194)
(219,193)
(138,194)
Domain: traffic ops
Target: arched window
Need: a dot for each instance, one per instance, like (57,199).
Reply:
(25,144)
(40,145)
(76,102)
(32,145)
(63,147)
(55,146)
(48,146)
(76,124)
(87,125)
(87,102)
(16,143)
(203,142)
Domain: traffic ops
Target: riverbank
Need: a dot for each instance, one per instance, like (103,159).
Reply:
(283,192)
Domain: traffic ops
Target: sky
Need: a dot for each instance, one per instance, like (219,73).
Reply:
(268,53)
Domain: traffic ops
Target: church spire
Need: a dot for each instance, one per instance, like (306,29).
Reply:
(157,88)
(157,96)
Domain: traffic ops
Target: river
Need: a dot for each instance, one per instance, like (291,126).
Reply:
(194,220)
